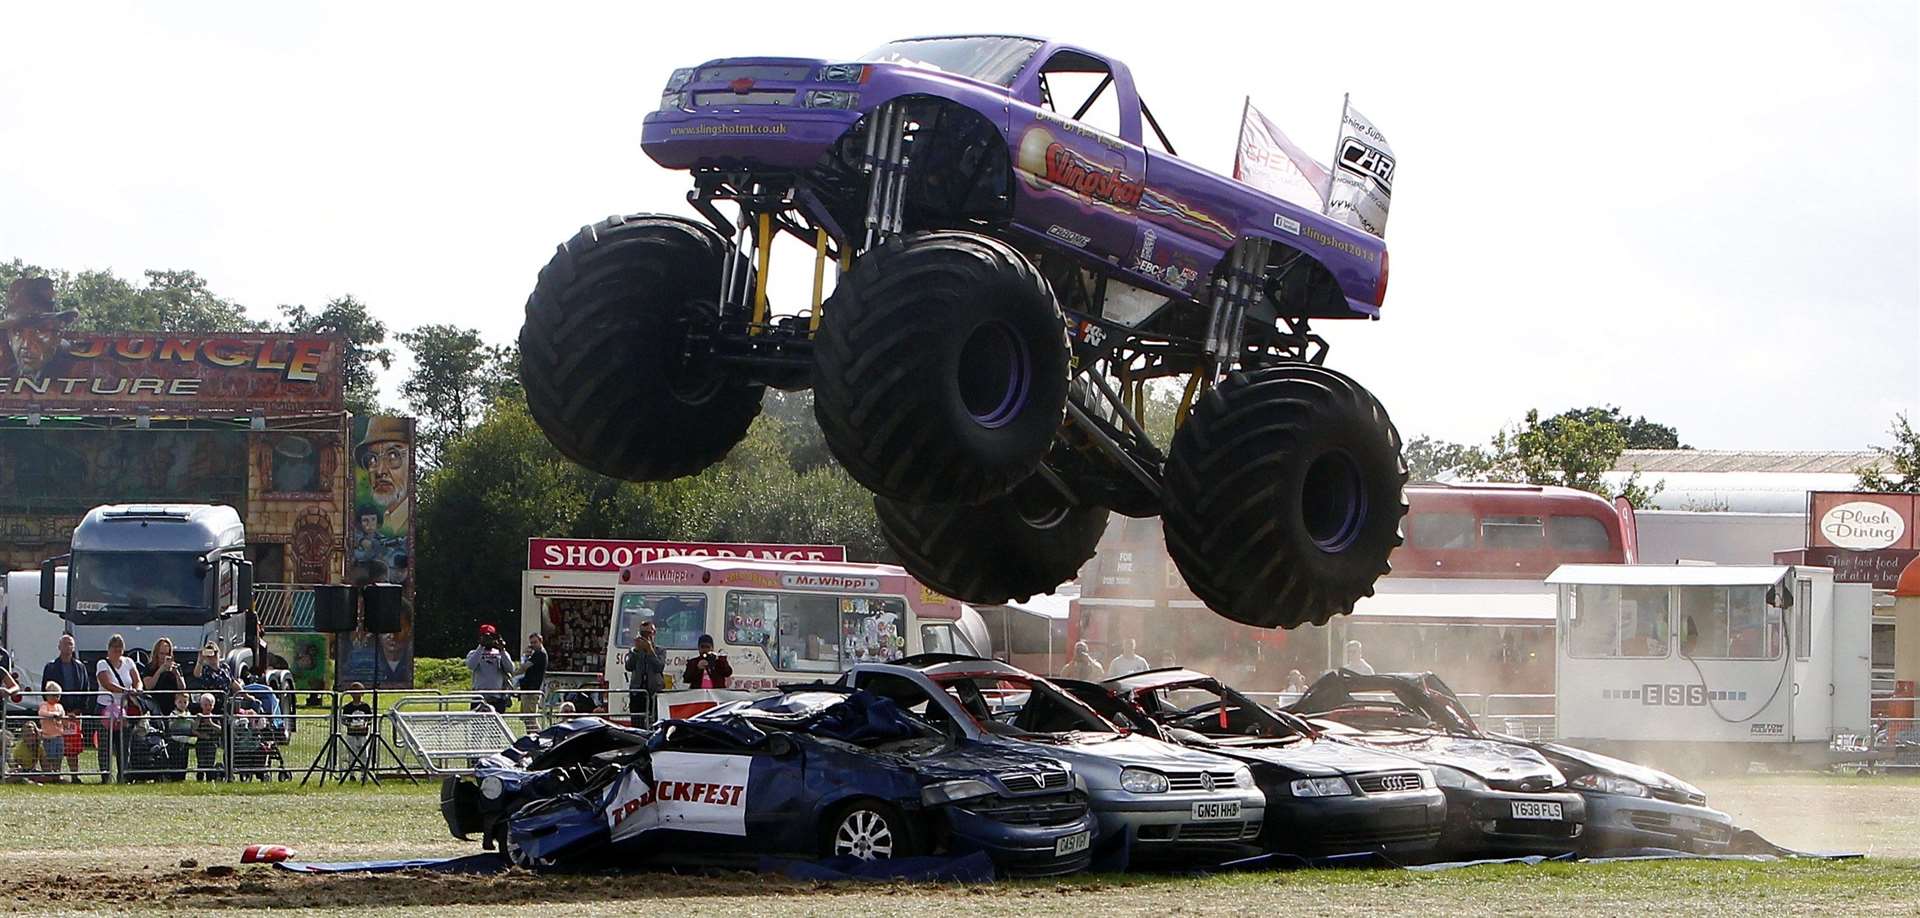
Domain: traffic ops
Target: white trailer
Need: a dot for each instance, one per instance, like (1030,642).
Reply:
(32,633)
(1705,664)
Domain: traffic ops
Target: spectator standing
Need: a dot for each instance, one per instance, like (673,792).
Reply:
(207,731)
(1296,682)
(646,675)
(1083,666)
(10,686)
(706,669)
(120,680)
(211,674)
(53,730)
(1357,662)
(492,669)
(76,696)
(357,715)
(162,681)
(1127,663)
(533,670)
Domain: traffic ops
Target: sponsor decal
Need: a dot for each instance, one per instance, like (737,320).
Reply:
(931,598)
(1048,162)
(830,582)
(1092,334)
(1077,240)
(712,129)
(692,791)
(667,575)
(1359,158)
(1286,223)
(1078,129)
(1862,526)
(1337,244)
(614,554)
(1177,277)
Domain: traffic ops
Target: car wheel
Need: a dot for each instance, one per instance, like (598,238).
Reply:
(518,856)
(871,831)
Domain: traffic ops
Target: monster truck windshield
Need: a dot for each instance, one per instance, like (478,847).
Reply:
(992,58)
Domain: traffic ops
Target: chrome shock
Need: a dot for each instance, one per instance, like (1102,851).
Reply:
(1245,279)
(885,161)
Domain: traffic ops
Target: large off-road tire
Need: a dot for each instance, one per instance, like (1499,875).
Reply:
(1284,495)
(1008,548)
(940,369)
(601,353)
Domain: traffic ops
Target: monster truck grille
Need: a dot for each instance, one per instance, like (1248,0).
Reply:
(1391,782)
(773,73)
(1197,781)
(727,99)
(1024,782)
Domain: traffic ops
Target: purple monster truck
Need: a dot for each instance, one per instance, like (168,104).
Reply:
(1009,277)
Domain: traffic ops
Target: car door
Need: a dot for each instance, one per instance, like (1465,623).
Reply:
(1074,130)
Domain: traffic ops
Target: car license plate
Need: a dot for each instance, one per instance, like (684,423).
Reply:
(1536,809)
(1072,844)
(1215,810)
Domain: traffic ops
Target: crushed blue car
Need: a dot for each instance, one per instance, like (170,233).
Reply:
(811,772)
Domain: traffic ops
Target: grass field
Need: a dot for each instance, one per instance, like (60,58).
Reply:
(117,850)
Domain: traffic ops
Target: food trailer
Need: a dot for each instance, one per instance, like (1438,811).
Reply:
(1704,665)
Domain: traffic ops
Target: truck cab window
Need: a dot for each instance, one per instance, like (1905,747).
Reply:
(1612,621)
(1076,86)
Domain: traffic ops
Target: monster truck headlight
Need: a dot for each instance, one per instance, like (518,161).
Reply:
(673,101)
(680,79)
(491,787)
(843,73)
(831,98)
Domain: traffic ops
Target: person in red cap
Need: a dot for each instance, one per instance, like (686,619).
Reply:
(492,667)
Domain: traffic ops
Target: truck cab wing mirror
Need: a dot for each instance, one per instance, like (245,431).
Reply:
(47,570)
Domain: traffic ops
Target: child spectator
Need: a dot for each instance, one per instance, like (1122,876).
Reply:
(74,741)
(206,737)
(357,715)
(26,749)
(53,730)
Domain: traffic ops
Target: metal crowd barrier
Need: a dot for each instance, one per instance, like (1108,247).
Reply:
(301,735)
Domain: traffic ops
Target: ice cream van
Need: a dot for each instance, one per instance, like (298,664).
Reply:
(777,622)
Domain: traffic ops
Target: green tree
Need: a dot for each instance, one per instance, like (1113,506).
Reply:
(366,338)
(1564,450)
(1429,459)
(456,375)
(501,483)
(1637,432)
(170,301)
(1898,468)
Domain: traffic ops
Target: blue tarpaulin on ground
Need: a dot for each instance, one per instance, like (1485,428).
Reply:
(466,863)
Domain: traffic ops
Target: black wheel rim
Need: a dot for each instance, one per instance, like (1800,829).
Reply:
(1039,506)
(1333,501)
(995,375)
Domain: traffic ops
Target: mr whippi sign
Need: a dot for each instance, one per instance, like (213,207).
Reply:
(614,554)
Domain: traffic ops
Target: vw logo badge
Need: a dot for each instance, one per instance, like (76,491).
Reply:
(1206,781)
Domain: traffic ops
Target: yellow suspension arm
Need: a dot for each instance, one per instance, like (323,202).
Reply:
(760,282)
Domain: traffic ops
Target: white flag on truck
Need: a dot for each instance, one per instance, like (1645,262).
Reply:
(1267,160)
(1362,174)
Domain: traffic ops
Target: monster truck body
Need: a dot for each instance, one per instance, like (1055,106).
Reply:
(1010,278)
(1144,216)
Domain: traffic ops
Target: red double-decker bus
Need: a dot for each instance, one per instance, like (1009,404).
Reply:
(1465,598)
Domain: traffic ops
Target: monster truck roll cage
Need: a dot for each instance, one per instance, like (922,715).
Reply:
(1113,361)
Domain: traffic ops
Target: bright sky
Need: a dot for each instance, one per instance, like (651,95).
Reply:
(1706,213)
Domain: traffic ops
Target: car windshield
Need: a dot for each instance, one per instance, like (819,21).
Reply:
(1014,706)
(1211,711)
(138,587)
(994,59)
